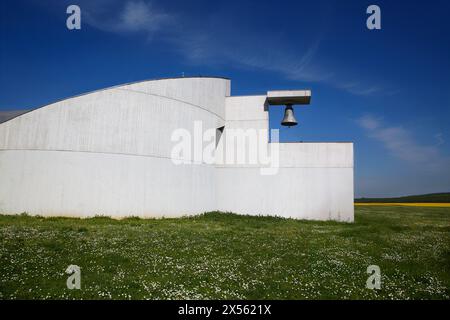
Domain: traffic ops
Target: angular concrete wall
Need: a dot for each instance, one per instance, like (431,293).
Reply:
(313,181)
(110,152)
(321,190)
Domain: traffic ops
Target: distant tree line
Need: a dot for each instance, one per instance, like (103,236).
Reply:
(432,197)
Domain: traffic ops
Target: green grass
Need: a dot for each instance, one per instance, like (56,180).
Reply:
(226,256)
(423,198)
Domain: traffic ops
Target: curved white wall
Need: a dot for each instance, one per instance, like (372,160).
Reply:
(109,152)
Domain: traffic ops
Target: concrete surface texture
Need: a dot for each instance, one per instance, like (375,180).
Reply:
(110,152)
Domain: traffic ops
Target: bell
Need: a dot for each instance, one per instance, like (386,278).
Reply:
(289,119)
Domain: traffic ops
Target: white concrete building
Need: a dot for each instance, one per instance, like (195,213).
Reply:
(111,152)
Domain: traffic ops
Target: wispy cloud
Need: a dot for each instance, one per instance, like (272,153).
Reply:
(132,16)
(440,140)
(359,89)
(142,16)
(401,143)
(248,51)
(423,168)
(292,66)
(213,42)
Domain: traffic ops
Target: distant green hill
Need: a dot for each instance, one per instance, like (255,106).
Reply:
(432,197)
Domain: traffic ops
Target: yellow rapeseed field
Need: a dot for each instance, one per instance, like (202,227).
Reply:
(409,204)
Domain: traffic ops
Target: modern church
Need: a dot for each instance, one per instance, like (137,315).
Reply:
(170,148)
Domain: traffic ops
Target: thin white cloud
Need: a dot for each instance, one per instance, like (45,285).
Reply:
(401,143)
(439,138)
(357,88)
(247,50)
(133,16)
(213,42)
(295,67)
(424,168)
(139,16)
(220,45)
(369,122)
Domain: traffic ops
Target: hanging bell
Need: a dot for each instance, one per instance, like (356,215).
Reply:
(289,119)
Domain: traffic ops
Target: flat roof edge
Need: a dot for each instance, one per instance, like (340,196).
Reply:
(283,97)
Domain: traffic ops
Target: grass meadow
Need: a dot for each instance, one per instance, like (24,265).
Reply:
(227,256)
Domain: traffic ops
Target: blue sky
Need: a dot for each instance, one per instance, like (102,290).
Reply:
(386,90)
